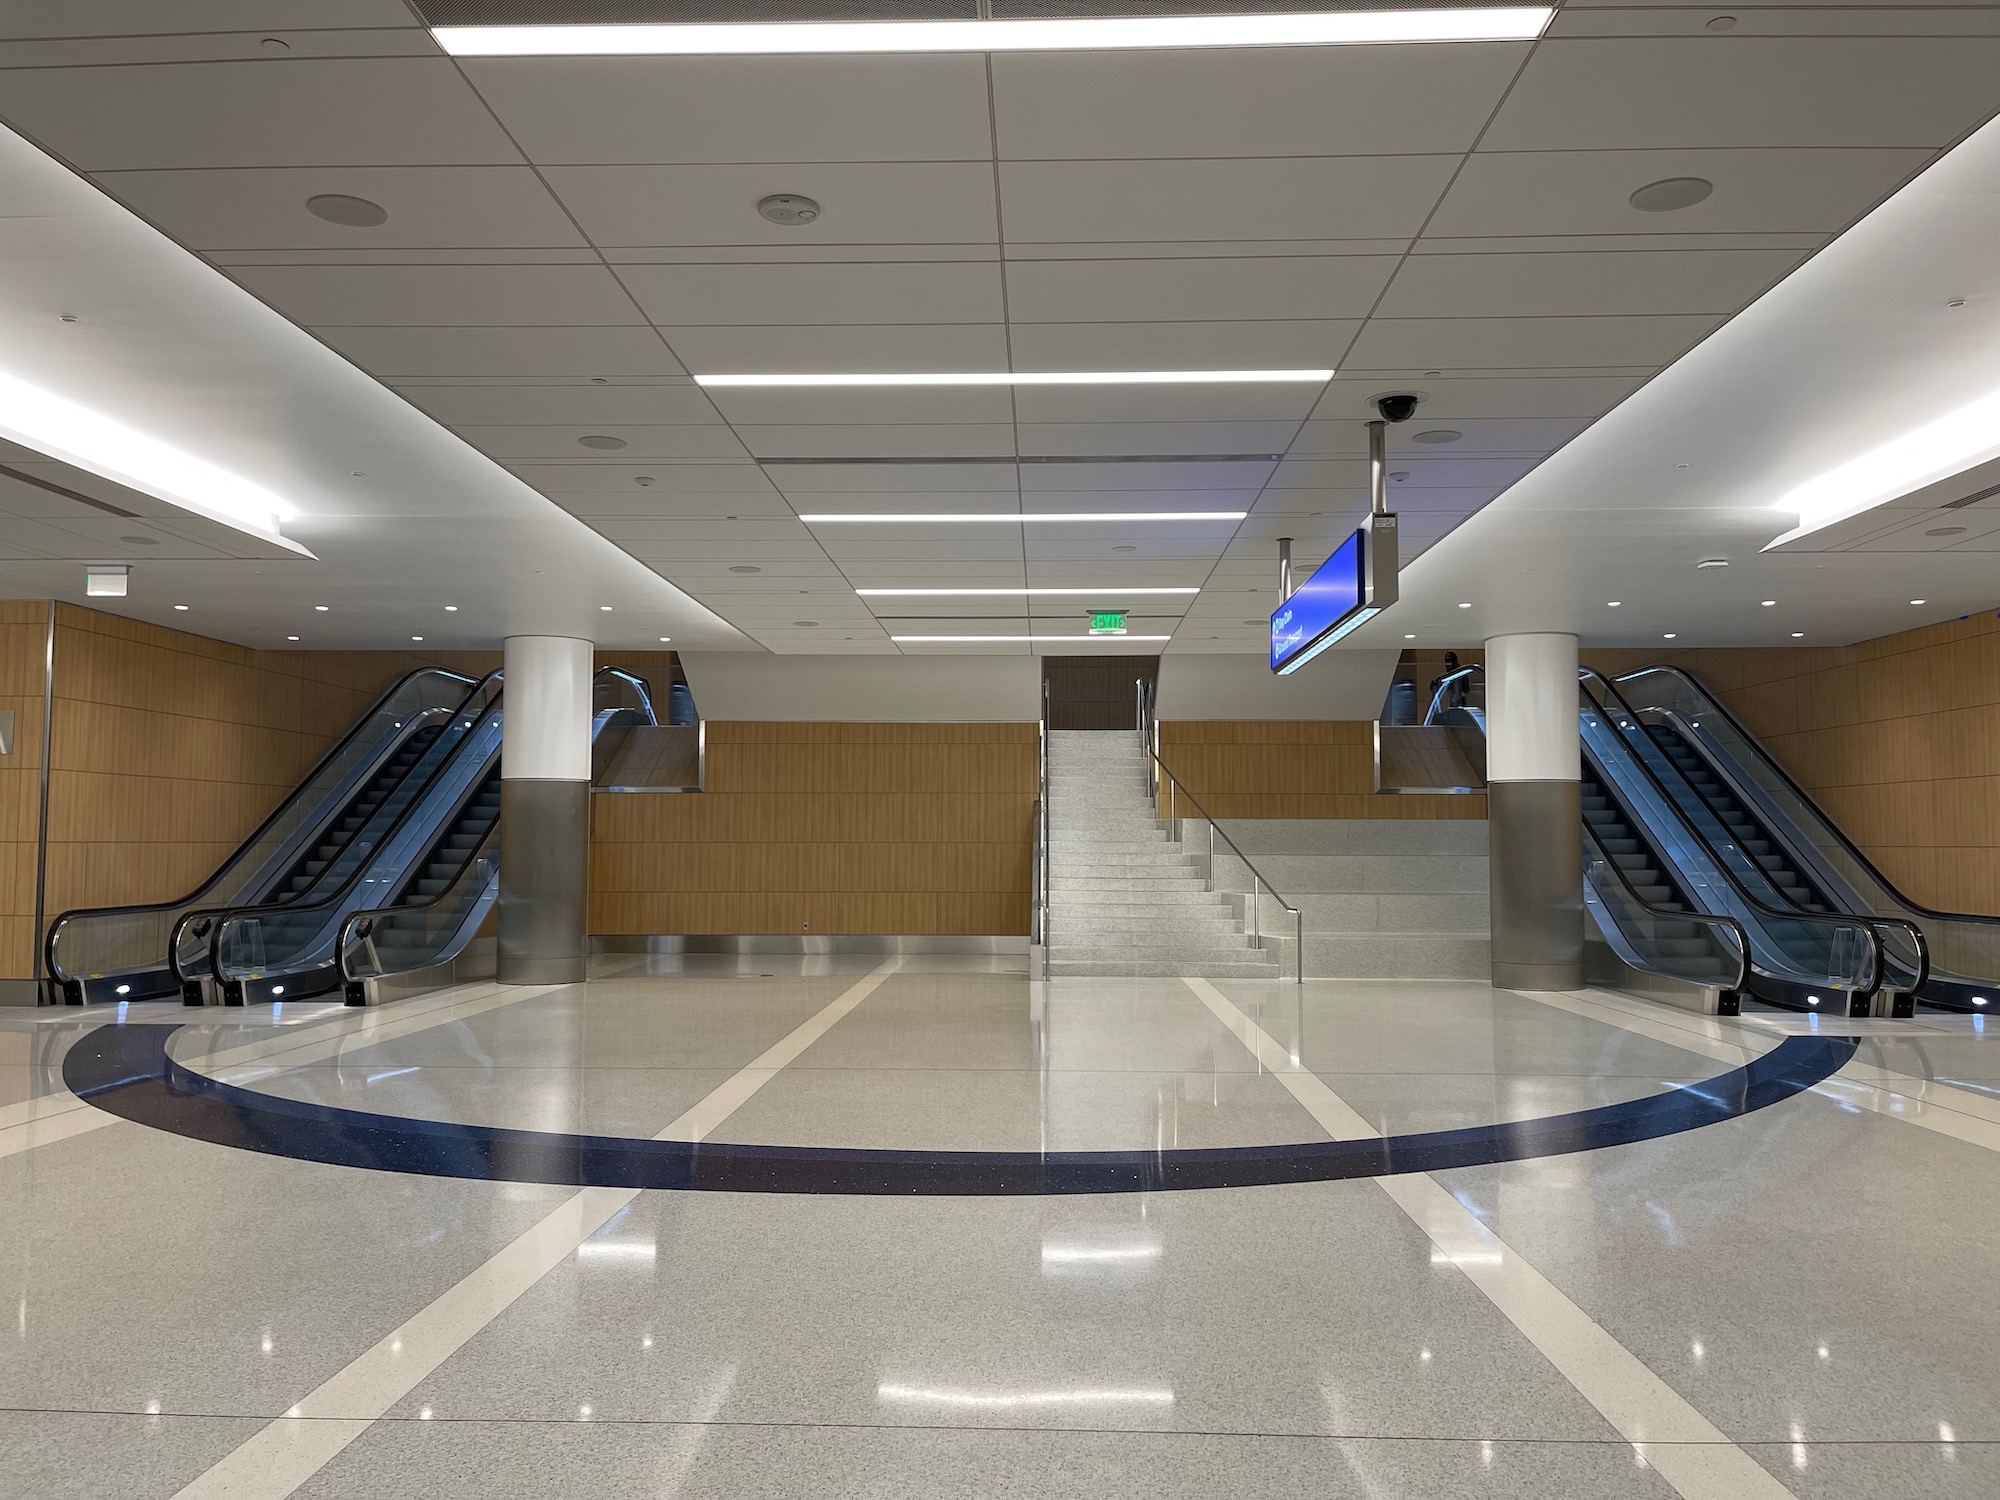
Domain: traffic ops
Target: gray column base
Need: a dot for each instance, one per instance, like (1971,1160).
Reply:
(1535,875)
(544,881)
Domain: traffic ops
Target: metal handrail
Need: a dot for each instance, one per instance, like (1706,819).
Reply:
(1148,731)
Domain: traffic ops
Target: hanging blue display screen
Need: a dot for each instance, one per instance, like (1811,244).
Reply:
(1312,618)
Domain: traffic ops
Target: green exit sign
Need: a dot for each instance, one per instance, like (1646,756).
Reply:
(1108,622)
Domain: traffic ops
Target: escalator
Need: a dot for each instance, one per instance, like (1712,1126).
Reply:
(126,952)
(1801,847)
(1675,893)
(286,950)
(437,914)
(418,885)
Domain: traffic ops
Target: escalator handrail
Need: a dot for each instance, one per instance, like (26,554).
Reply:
(1438,687)
(1711,919)
(354,919)
(1848,845)
(226,918)
(340,745)
(1754,902)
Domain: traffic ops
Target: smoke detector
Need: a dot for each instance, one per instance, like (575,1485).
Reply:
(788,208)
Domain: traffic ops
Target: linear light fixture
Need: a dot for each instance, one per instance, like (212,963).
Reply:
(1955,442)
(1081,34)
(75,434)
(1035,377)
(934,639)
(1009,593)
(1017,517)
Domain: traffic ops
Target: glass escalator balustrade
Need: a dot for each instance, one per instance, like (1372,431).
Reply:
(1957,954)
(124,953)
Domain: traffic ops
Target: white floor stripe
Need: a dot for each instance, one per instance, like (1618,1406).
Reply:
(297,1445)
(1678,1442)
(60,1116)
(1954,1112)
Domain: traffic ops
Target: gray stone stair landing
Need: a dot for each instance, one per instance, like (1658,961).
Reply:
(1124,899)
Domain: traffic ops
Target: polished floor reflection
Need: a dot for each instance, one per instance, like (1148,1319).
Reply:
(1789,1301)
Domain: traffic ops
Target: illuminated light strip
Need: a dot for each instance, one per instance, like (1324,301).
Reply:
(1046,377)
(1016,517)
(75,434)
(1957,441)
(1108,636)
(1008,593)
(1360,619)
(1318,29)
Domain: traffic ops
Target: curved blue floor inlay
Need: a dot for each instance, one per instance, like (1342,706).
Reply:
(125,1071)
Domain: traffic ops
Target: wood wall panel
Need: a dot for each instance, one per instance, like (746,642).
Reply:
(1897,738)
(828,828)
(23,635)
(167,749)
(1290,769)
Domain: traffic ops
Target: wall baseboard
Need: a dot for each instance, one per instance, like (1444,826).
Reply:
(808,943)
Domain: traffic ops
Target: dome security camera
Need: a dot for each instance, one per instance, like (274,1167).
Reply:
(1396,408)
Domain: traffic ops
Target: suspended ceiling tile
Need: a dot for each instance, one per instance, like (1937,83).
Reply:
(402,111)
(1059,438)
(1351,399)
(1478,438)
(914,291)
(1188,289)
(1560,192)
(861,203)
(688,440)
(1524,343)
(1275,101)
(590,407)
(1306,198)
(1276,344)
(900,440)
(790,406)
(438,296)
(858,546)
(747,109)
(1740,91)
(1049,486)
(669,479)
(834,350)
(265,208)
(1605,283)
(899,487)
(1165,403)
(390,353)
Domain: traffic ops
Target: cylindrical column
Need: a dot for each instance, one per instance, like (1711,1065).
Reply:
(1535,812)
(544,809)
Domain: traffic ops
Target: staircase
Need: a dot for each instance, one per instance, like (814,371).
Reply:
(1123,899)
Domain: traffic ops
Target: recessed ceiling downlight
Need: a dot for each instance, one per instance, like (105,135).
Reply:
(744,568)
(1671,193)
(344,208)
(1946,531)
(1713,562)
(1439,435)
(140,541)
(791,209)
(600,440)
